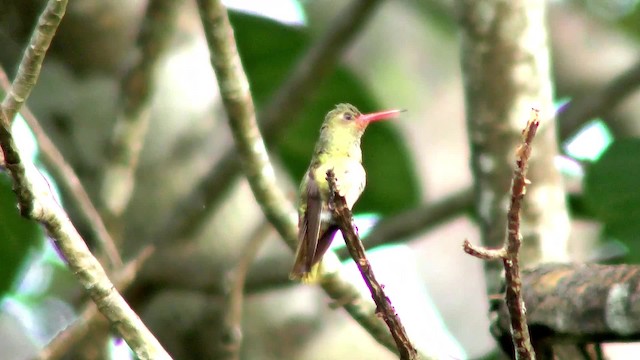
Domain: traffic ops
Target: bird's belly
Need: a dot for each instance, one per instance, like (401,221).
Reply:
(350,179)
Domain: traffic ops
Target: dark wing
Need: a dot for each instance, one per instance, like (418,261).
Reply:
(308,230)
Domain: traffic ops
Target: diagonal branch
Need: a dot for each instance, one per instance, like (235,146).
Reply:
(29,68)
(316,64)
(413,221)
(88,317)
(36,201)
(599,103)
(383,303)
(67,178)
(238,102)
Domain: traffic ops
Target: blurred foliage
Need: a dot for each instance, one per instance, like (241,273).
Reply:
(611,192)
(269,51)
(624,14)
(18,236)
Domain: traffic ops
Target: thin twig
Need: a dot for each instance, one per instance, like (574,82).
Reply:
(136,91)
(88,318)
(599,103)
(399,227)
(238,102)
(307,75)
(67,178)
(29,68)
(383,304)
(482,252)
(231,338)
(509,253)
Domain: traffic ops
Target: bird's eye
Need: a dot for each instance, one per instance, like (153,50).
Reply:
(347,116)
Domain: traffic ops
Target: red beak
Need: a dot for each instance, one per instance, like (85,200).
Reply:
(381,115)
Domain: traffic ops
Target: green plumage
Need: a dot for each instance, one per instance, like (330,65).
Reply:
(338,148)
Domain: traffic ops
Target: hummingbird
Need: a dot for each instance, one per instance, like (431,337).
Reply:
(338,148)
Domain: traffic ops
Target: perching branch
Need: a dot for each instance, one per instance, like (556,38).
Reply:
(88,318)
(509,253)
(312,68)
(67,178)
(238,103)
(132,122)
(343,215)
(29,68)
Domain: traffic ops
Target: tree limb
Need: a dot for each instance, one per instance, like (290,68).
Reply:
(576,304)
(88,317)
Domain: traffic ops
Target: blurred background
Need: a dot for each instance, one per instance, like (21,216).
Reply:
(407,55)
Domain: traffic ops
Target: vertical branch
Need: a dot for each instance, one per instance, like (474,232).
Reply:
(29,68)
(238,103)
(505,63)
(509,253)
(234,89)
(230,341)
(356,249)
(133,120)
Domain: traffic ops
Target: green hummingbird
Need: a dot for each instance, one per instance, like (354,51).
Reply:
(339,149)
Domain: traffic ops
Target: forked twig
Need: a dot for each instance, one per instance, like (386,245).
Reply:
(509,251)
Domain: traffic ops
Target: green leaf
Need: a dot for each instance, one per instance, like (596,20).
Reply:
(18,236)
(611,192)
(269,51)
